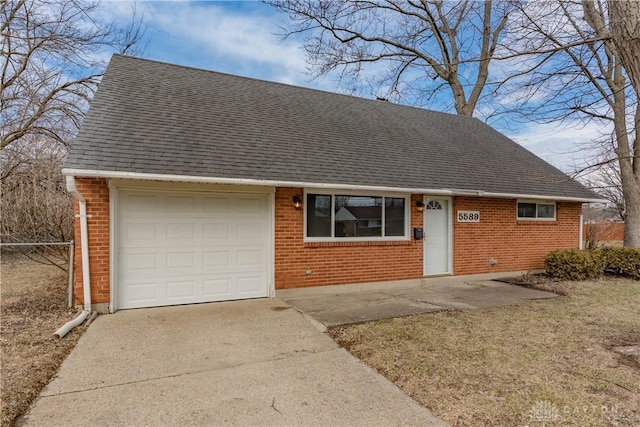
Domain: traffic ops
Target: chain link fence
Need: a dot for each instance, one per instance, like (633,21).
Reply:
(46,253)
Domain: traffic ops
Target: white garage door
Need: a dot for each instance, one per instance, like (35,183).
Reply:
(181,248)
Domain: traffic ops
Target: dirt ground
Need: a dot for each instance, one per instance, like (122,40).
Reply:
(33,304)
(550,362)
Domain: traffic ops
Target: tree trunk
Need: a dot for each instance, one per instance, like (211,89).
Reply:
(624,20)
(632,220)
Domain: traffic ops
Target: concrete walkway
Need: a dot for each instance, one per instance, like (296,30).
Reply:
(340,305)
(253,362)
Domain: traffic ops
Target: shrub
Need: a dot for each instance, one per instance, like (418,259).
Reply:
(574,264)
(622,261)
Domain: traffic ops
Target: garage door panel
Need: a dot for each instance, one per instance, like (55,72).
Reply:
(139,264)
(250,258)
(216,233)
(181,289)
(178,261)
(219,288)
(249,285)
(180,231)
(141,292)
(216,205)
(144,262)
(181,205)
(141,231)
(140,203)
(250,231)
(215,259)
(179,249)
(249,205)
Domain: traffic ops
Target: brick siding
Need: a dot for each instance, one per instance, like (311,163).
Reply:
(516,245)
(96,193)
(340,262)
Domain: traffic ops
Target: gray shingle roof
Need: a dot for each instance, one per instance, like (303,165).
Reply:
(156,118)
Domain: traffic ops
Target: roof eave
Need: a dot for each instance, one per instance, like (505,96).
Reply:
(88,173)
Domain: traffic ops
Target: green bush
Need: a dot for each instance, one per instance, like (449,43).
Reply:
(574,264)
(622,261)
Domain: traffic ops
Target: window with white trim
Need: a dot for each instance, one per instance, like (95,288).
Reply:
(342,216)
(536,210)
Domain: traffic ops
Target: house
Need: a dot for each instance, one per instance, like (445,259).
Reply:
(197,186)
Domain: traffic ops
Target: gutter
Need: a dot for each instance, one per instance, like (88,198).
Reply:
(84,248)
(70,173)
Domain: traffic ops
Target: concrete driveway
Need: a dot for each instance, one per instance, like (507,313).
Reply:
(255,362)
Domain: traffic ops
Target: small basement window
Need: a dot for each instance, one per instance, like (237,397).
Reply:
(347,217)
(537,210)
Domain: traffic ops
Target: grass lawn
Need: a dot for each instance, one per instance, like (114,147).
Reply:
(33,302)
(549,362)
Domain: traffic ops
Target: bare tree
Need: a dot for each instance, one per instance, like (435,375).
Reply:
(53,55)
(624,19)
(35,204)
(52,60)
(561,59)
(413,48)
(573,68)
(606,181)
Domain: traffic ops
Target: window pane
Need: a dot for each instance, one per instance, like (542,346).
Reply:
(393,216)
(358,216)
(318,215)
(546,211)
(526,210)
(434,205)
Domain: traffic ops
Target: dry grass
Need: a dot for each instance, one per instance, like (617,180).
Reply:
(548,362)
(33,300)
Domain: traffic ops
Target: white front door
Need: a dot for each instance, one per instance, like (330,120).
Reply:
(436,236)
(190,247)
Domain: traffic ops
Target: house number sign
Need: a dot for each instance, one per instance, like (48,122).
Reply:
(468,216)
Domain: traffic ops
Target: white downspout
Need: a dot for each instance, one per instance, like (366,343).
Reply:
(580,232)
(84,249)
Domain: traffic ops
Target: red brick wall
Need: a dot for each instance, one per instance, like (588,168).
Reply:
(96,193)
(337,263)
(515,244)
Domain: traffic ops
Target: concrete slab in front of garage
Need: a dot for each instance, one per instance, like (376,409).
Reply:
(255,362)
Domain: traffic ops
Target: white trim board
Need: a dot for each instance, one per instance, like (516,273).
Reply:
(301,184)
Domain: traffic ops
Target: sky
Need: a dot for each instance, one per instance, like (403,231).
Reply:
(242,38)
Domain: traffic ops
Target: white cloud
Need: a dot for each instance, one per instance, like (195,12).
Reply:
(567,147)
(236,39)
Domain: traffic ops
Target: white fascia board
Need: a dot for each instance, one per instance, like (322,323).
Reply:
(241,181)
(538,197)
(261,182)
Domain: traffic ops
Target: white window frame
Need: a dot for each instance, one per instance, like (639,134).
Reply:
(333,193)
(537,202)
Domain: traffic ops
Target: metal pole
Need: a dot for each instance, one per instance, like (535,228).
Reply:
(37,244)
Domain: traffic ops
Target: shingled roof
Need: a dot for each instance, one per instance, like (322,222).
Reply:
(150,119)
